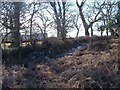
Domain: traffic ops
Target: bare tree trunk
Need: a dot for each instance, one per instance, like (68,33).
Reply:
(86,31)
(44,34)
(31,22)
(4,39)
(75,21)
(77,32)
(91,31)
(60,19)
(112,31)
(15,32)
(84,22)
(63,22)
(107,31)
(42,31)
(53,4)
(83,18)
(31,39)
(101,33)
(118,19)
(118,30)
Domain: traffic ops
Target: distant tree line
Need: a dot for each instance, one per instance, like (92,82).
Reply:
(60,16)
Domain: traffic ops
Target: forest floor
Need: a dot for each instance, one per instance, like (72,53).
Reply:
(93,66)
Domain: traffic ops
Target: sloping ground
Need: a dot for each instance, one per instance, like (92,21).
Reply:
(94,66)
(51,48)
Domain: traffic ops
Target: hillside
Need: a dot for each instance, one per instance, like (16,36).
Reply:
(93,66)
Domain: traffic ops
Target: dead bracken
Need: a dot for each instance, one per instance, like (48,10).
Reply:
(95,68)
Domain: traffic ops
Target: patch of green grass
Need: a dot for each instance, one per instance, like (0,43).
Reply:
(39,42)
(25,44)
(6,45)
(71,53)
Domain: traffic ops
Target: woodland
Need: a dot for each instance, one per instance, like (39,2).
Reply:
(38,52)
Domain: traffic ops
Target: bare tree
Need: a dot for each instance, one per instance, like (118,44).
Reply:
(57,20)
(32,7)
(60,18)
(14,22)
(108,12)
(83,18)
(45,23)
(75,23)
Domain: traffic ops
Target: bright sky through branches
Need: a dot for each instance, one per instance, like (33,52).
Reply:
(54,0)
(73,32)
